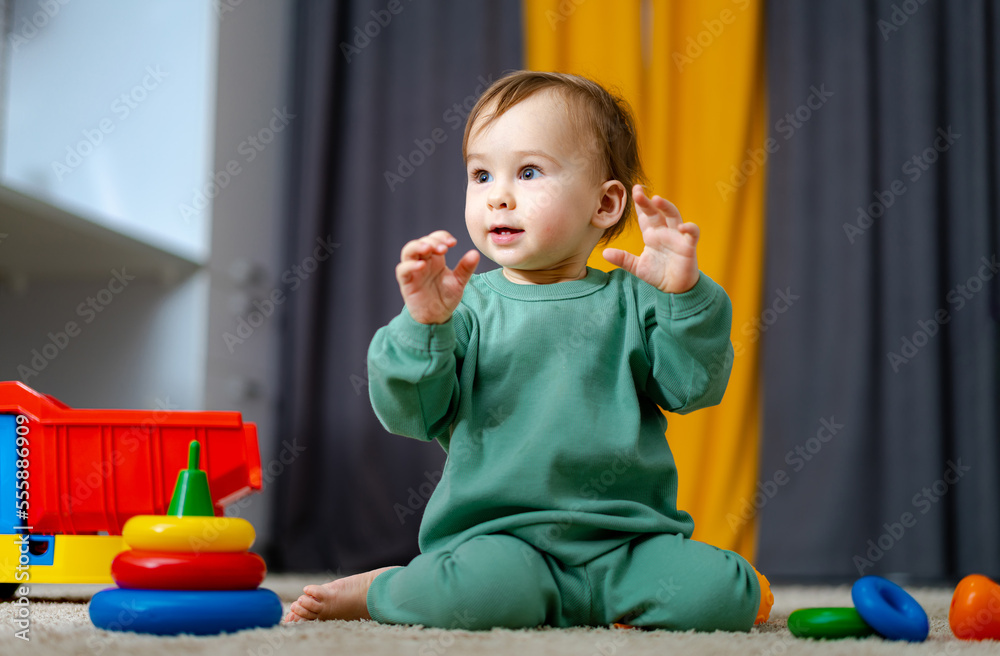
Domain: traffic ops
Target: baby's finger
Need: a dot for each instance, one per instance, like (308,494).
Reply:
(436,243)
(620,258)
(670,213)
(421,249)
(405,271)
(648,213)
(639,193)
(467,266)
(691,230)
(441,235)
(642,201)
(414,249)
(440,241)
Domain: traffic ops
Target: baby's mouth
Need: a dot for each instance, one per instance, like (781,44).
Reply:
(502,235)
(505,230)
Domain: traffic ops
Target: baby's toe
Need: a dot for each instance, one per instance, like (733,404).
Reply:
(309,605)
(314,592)
(302,611)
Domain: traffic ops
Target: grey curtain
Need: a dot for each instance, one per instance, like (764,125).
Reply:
(382,93)
(881,448)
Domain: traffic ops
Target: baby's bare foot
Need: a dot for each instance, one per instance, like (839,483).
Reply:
(343,599)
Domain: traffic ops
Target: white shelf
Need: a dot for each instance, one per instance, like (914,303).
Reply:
(41,241)
(109,114)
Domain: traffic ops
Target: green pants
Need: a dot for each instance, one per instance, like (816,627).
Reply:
(657,580)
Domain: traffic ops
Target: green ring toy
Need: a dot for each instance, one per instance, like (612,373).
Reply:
(832,623)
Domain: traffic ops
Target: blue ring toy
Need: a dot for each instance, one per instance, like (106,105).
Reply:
(171,612)
(889,609)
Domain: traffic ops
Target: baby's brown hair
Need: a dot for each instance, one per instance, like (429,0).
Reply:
(608,115)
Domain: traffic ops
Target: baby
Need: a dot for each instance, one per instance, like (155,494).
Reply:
(541,379)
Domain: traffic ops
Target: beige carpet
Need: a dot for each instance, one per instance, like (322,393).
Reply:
(60,625)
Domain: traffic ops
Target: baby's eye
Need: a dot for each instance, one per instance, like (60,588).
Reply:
(482,176)
(530,173)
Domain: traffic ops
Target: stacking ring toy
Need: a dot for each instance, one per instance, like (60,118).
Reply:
(889,610)
(189,534)
(167,570)
(178,611)
(974,613)
(832,623)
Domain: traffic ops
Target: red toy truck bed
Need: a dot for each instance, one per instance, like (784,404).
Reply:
(85,472)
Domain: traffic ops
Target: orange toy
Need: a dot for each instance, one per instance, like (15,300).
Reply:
(766,599)
(975,609)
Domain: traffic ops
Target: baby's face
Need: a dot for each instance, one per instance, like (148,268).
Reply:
(533,191)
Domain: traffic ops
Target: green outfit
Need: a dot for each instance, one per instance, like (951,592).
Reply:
(557,503)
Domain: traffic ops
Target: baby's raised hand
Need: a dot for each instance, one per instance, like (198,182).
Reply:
(669,259)
(430,289)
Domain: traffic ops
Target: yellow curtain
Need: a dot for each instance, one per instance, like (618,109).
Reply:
(694,73)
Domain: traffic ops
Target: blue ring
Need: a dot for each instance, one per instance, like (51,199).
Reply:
(171,612)
(889,609)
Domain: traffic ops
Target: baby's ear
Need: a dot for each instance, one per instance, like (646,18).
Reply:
(613,200)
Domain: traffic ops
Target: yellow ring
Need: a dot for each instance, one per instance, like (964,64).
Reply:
(188,534)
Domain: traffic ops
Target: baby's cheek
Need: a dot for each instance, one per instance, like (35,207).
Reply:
(551,234)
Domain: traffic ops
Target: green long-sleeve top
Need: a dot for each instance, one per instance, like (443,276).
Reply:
(545,399)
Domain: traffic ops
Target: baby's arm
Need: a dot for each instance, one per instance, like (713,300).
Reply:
(687,326)
(412,369)
(687,340)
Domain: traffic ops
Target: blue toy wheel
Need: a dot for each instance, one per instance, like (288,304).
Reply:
(889,609)
(171,612)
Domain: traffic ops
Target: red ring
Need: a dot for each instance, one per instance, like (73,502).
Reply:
(167,570)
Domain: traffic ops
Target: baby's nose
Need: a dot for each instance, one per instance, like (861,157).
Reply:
(501,201)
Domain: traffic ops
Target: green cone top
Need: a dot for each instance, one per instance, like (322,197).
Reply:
(191,495)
